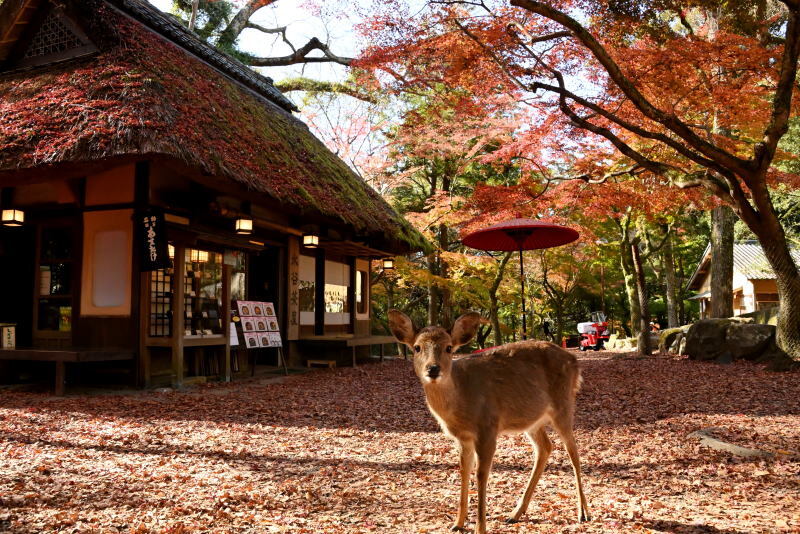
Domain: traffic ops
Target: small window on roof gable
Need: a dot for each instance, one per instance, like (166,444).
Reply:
(56,39)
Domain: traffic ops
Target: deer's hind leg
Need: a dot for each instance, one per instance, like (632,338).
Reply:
(563,425)
(543,447)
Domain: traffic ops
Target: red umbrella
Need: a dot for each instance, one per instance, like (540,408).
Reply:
(520,234)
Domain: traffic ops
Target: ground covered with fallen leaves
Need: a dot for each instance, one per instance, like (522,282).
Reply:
(355,450)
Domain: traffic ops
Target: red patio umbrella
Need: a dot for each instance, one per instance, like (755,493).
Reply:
(520,234)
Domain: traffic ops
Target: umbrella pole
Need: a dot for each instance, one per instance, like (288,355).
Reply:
(522,279)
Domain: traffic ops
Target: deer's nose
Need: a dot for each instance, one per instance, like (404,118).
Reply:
(433,371)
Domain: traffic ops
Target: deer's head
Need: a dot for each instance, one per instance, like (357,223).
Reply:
(433,346)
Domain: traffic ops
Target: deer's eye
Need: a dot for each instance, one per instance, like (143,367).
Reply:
(417,348)
(449,348)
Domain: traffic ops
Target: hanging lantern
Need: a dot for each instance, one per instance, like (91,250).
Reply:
(310,240)
(13,217)
(244,226)
(171,251)
(388,264)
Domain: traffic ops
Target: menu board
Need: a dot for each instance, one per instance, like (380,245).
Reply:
(259,324)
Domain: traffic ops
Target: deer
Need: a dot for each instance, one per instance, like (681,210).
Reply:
(514,388)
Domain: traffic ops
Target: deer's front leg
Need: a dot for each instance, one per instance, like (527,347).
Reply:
(466,464)
(485,450)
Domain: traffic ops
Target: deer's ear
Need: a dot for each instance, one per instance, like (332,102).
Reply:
(464,329)
(402,327)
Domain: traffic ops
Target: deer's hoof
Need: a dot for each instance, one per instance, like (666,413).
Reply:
(511,520)
(456,528)
(584,516)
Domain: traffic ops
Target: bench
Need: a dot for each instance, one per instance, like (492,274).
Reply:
(369,340)
(350,341)
(329,363)
(62,357)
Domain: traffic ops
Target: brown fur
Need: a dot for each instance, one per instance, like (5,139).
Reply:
(514,388)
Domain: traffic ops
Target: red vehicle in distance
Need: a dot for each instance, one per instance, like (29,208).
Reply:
(593,333)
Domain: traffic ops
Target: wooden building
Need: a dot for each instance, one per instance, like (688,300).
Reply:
(114,117)
(754,286)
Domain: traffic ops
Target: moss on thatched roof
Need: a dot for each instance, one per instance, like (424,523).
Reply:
(144,95)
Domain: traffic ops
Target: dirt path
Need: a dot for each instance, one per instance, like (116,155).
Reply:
(355,450)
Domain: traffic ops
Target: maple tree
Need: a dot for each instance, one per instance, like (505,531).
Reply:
(433,162)
(628,90)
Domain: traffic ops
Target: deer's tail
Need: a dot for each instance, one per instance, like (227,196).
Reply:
(577,381)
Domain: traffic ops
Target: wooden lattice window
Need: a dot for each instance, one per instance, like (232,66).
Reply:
(57,38)
(161,303)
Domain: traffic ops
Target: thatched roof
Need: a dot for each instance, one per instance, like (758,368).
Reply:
(154,89)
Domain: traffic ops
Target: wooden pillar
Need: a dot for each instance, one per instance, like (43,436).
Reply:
(145,370)
(140,301)
(226,319)
(178,315)
(319,294)
(351,295)
(60,373)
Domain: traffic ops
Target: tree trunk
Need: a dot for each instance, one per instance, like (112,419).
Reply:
(644,307)
(494,307)
(776,249)
(446,308)
(193,16)
(671,284)
(722,220)
(434,296)
(629,275)
(559,328)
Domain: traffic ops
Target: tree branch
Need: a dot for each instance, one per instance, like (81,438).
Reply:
(671,121)
(238,23)
(782,100)
(540,39)
(318,86)
(633,128)
(300,55)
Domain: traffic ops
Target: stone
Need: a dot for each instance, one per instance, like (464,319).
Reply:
(705,339)
(682,345)
(667,337)
(724,358)
(727,340)
(748,341)
(675,347)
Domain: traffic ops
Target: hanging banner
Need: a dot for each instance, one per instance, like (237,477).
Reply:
(152,240)
(293,328)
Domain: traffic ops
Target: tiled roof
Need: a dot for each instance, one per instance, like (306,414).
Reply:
(749,259)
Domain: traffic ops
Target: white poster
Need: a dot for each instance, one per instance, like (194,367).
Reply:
(234,336)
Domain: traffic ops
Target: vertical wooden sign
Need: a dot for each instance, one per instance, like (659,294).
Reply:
(293,308)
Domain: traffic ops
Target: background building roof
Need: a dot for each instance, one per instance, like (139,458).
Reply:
(748,259)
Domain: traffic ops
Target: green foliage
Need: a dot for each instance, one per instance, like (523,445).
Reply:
(212,16)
